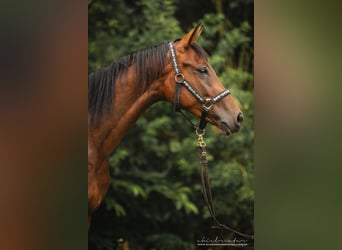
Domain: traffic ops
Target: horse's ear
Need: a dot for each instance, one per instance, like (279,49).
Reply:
(191,37)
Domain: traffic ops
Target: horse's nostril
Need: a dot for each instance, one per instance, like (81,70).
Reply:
(239,118)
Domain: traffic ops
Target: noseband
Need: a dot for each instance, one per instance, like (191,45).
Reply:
(207,103)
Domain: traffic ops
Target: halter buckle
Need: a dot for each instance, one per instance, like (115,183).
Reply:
(179,78)
(207,105)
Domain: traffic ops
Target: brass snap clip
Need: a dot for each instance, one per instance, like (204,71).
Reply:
(200,140)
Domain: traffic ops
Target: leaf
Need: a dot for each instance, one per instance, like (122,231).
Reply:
(175,146)
(112,204)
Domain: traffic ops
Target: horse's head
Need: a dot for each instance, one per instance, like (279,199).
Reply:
(195,69)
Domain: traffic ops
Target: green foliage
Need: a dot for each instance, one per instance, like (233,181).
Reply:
(167,242)
(155,199)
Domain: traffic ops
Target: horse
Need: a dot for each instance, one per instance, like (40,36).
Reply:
(177,72)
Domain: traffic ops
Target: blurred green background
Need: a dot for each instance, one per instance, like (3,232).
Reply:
(155,199)
(298,125)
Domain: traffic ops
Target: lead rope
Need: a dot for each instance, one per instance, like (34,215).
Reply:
(206,188)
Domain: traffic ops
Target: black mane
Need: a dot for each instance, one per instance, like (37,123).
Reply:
(148,64)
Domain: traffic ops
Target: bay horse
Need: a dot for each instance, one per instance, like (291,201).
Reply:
(121,92)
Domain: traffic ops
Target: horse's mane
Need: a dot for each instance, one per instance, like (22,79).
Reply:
(148,65)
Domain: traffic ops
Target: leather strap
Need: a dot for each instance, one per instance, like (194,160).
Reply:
(176,105)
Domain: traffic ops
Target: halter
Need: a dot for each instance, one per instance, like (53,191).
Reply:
(207,104)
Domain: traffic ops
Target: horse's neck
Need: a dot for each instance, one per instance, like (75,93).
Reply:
(127,109)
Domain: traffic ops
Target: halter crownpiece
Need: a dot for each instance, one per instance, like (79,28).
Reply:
(207,103)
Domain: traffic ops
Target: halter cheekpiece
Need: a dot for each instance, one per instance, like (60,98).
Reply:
(207,103)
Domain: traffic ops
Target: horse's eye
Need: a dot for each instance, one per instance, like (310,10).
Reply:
(202,70)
